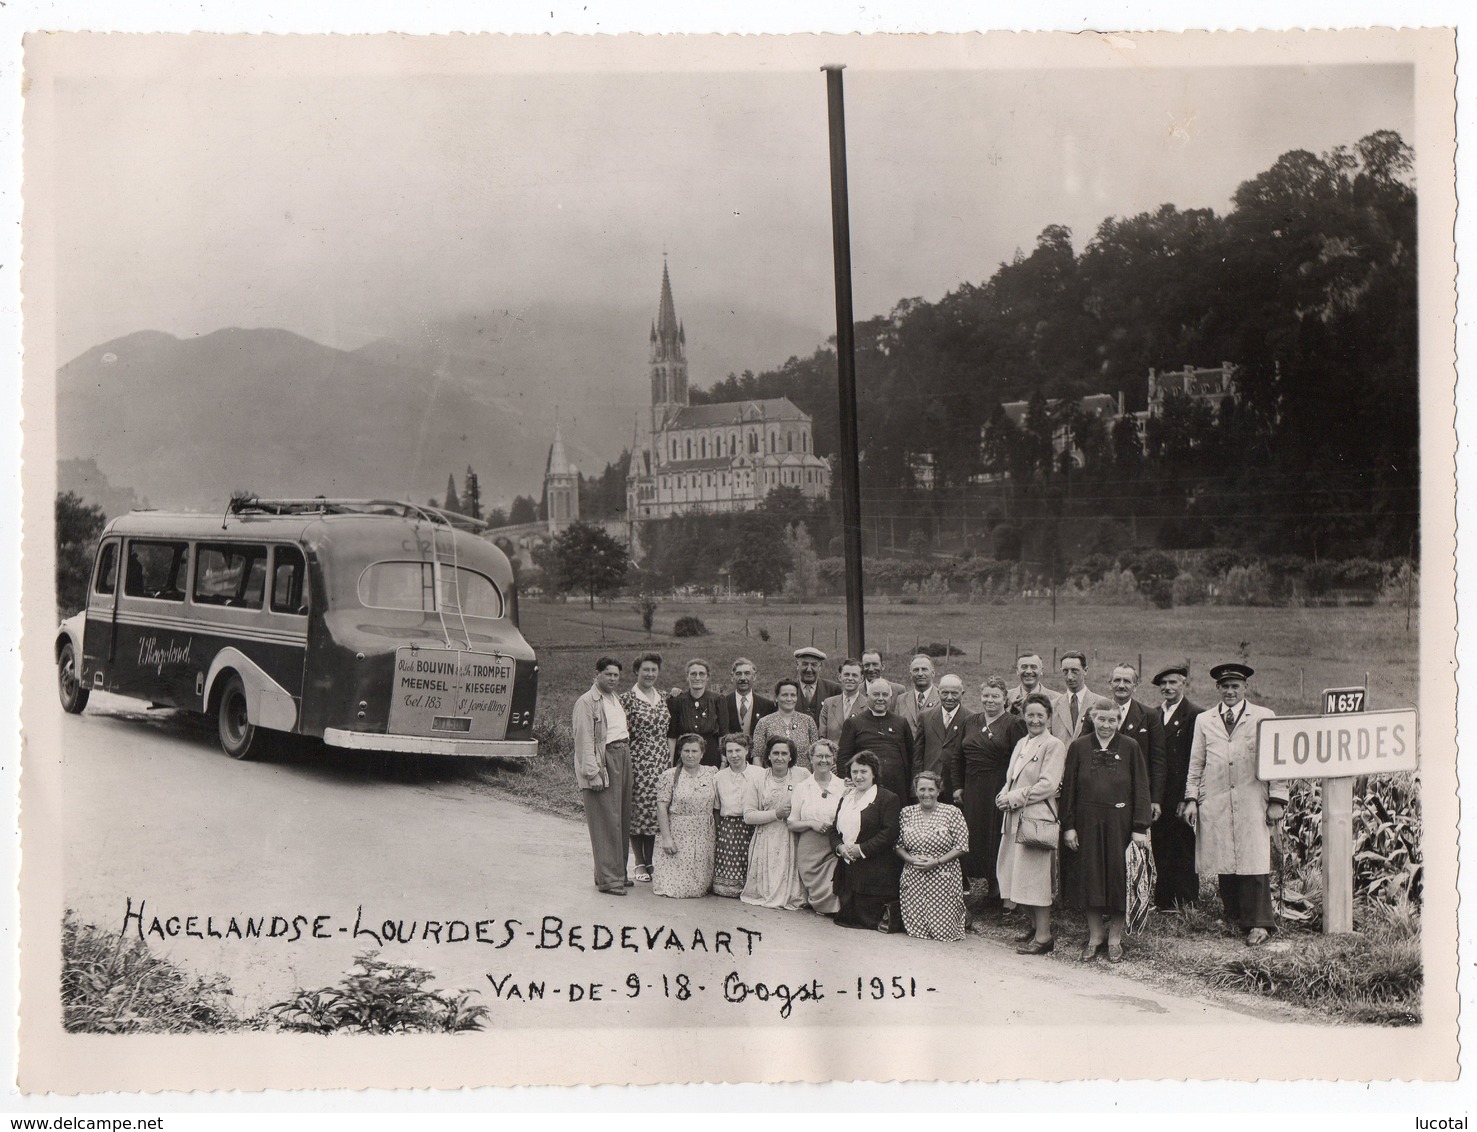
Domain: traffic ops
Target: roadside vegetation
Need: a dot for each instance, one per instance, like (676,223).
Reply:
(113,986)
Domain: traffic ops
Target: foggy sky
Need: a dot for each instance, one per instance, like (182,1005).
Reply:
(347,206)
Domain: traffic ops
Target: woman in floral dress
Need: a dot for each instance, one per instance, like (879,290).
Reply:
(774,880)
(684,815)
(731,794)
(931,839)
(651,753)
(787,723)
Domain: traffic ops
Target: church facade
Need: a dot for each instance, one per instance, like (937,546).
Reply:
(719,457)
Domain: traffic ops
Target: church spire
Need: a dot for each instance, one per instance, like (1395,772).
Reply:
(668,353)
(666,319)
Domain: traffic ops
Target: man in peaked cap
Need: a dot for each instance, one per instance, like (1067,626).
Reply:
(1178,883)
(1232,812)
(815,689)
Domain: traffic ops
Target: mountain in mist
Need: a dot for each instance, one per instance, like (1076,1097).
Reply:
(184,421)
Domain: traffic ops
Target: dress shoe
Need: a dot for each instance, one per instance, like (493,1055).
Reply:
(1115,953)
(1090,951)
(1035,948)
(613,890)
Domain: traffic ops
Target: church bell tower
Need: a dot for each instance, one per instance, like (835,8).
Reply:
(668,358)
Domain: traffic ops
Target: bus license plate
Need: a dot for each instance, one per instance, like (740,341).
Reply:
(440,690)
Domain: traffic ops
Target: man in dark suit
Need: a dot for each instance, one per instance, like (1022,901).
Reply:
(884,733)
(1144,726)
(940,733)
(743,707)
(849,702)
(815,689)
(1172,837)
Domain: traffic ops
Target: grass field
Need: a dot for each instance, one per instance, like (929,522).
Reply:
(1296,652)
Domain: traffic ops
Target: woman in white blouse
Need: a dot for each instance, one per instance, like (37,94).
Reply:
(812,817)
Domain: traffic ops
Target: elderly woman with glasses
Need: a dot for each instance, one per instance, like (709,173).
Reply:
(812,817)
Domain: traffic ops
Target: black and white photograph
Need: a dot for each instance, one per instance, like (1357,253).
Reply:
(631,560)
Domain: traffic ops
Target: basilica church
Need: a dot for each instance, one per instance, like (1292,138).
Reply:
(720,457)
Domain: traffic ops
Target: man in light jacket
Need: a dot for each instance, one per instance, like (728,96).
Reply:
(1231,811)
(1071,718)
(602,770)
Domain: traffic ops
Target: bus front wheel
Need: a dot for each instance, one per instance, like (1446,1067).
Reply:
(69,684)
(240,738)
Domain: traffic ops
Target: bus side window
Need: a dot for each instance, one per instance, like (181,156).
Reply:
(230,574)
(107,569)
(288,572)
(156,569)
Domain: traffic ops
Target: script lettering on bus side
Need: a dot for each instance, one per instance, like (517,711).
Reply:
(152,655)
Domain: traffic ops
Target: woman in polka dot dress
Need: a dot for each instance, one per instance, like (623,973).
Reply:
(931,839)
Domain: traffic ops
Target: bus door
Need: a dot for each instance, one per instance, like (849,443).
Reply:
(153,644)
(288,606)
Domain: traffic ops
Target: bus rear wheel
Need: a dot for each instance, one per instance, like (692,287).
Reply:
(69,684)
(240,738)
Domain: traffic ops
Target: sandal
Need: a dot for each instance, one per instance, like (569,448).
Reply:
(643,875)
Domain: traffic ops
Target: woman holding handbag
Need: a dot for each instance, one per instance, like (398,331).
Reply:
(1029,838)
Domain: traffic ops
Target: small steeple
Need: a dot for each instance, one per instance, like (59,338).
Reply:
(558,464)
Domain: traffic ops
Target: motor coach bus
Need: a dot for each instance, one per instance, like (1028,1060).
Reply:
(378,626)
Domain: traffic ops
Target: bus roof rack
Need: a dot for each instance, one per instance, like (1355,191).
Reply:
(323,505)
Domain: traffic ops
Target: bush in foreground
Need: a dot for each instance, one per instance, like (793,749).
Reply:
(110,986)
(379,998)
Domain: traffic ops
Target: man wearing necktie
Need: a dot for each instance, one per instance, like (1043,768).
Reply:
(940,733)
(1143,726)
(1232,812)
(815,689)
(920,697)
(837,709)
(1072,716)
(743,707)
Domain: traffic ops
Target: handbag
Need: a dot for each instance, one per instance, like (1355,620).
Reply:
(1039,833)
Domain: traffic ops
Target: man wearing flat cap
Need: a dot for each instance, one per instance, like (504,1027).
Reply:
(1178,883)
(815,689)
(1230,809)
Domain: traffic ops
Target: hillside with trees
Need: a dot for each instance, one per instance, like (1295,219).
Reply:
(1307,285)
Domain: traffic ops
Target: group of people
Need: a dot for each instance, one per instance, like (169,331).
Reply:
(883,806)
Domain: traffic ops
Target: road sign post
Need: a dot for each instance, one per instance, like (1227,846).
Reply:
(1343,743)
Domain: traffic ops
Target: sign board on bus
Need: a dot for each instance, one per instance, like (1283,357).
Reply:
(452,693)
(1336,746)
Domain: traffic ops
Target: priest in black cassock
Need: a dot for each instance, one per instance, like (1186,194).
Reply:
(884,733)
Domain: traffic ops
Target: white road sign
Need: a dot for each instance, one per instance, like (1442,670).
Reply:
(1336,746)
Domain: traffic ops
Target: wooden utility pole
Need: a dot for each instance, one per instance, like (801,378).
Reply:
(851,480)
